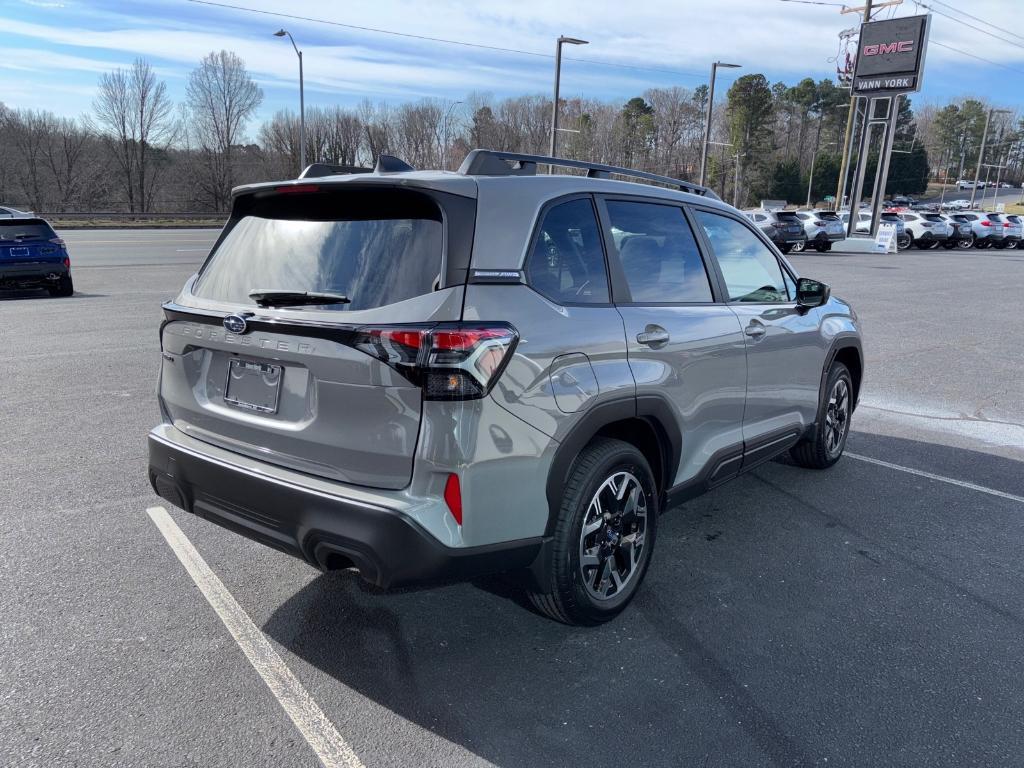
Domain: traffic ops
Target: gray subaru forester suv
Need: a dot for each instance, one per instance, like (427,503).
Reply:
(435,375)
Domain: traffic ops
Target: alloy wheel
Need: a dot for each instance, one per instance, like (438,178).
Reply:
(837,417)
(614,535)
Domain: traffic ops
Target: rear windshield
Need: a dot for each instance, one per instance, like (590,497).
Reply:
(785,216)
(25,229)
(932,216)
(1014,218)
(827,215)
(376,247)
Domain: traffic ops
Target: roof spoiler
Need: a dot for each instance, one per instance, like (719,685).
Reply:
(317,170)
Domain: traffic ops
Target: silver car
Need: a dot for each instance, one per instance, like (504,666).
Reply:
(1013,230)
(423,375)
(823,229)
(986,228)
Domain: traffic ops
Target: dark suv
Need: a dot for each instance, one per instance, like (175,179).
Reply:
(32,256)
(784,228)
(430,374)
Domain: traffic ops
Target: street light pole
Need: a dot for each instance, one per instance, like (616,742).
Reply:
(981,152)
(558,74)
(302,101)
(707,119)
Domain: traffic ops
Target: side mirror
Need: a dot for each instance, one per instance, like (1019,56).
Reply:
(811,293)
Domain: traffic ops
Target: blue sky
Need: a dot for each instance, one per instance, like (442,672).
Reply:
(56,49)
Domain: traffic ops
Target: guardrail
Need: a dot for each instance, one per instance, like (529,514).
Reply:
(129,216)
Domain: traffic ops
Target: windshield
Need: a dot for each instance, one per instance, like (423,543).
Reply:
(25,229)
(388,249)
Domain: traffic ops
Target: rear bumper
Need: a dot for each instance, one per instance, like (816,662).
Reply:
(826,237)
(326,530)
(785,238)
(31,275)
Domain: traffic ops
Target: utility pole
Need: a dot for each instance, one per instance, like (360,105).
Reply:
(844,164)
(562,40)
(981,152)
(707,118)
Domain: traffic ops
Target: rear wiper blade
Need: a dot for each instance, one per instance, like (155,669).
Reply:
(267,297)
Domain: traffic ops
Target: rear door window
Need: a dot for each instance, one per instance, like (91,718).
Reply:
(567,261)
(658,254)
(377,247)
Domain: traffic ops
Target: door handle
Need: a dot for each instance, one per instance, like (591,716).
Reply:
(755,329)
(653,336)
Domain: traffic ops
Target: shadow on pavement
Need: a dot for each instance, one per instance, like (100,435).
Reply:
(859,614)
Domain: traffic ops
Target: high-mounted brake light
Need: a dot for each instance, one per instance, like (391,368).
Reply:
(451,361)
(297,189)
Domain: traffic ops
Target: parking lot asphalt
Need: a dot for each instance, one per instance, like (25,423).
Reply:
(865,615)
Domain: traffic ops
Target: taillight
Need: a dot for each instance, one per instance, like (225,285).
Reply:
(1006,225)
(449,361)
(453,497)
(986,223)
(58,241)
(67,263)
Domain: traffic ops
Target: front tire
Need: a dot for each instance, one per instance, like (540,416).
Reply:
(797,247)
(786,247)
(604,535)
(833,425)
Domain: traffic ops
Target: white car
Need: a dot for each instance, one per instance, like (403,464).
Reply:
(927,230)
(957,205)
(965,184)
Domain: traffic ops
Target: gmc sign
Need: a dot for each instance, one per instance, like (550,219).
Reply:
(891,56)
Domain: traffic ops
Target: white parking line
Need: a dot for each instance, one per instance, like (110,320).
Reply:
(312,723)
(940,478)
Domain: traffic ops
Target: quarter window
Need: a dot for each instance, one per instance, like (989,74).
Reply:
(750,269)
(658,253)
(567,263)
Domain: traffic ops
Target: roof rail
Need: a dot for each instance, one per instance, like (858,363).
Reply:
(489,162)
(316,170)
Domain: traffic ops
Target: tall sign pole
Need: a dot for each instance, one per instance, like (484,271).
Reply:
(890,63)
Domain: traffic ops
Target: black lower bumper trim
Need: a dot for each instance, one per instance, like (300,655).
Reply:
(388,548)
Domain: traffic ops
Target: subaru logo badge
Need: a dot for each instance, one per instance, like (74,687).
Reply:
(235,324)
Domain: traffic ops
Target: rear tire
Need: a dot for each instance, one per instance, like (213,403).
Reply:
(65,287)
(796,247)
(786,247)
(833,425)
(965,244)
(604,535)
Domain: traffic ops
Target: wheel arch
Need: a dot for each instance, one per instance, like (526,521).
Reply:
(646,422)
(848,351)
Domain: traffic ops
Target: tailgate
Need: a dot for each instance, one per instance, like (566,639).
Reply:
(292,386)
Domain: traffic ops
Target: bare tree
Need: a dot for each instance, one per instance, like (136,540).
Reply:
(67,158)
(136,117)
(221,97)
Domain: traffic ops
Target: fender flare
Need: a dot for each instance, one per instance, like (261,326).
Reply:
(842,341)
(655,409)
